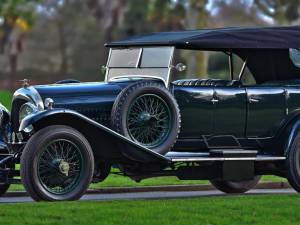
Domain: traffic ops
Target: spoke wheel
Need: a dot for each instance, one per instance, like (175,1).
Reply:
(147,113)
(59,166)
(149,120)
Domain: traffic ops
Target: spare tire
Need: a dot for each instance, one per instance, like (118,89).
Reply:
(147,113)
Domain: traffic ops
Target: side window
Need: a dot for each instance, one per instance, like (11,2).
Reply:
(210,64)
(218,65)
(248,78)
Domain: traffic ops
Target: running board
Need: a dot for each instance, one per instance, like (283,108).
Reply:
(226,156)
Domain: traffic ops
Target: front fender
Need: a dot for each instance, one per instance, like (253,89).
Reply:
(5,126)
(105,142)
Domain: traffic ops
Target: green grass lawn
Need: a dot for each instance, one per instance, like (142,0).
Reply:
(5,99)
(231,210)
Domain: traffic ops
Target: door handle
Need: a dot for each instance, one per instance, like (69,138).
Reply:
(253,100)
(214,100)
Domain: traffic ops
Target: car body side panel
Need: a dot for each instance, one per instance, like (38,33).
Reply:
(293,99)
(196,110)
(266,110)
(230,111)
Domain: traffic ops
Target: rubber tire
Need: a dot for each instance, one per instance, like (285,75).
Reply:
(293,164)
(235,187)
(29,162)
(101,171)
(3,188)
(127,95)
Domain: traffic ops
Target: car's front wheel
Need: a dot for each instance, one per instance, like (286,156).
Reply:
(57,164)
(235,187)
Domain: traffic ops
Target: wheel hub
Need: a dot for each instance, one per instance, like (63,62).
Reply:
(59,166)
(145,117)
(64,167)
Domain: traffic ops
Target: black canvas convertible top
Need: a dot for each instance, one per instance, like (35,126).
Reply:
(265,48)
(222,38)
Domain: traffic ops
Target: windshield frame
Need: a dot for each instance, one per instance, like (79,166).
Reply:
(156,72)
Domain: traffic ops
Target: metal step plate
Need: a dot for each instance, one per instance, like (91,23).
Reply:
(206,157)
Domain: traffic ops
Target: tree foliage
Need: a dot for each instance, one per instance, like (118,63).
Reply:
(282,11)
(15,13)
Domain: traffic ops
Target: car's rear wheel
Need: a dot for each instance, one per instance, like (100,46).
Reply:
(57,164)
(293,164)
(148,114)
(234,187)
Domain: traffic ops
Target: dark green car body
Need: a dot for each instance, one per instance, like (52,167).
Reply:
(213,116)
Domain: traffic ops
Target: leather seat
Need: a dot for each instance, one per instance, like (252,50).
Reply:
(207,82)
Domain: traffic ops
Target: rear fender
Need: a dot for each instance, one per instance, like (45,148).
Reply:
(106,143)
(289,134)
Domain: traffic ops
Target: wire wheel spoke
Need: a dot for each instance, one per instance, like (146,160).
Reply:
(149,120)
(60,166)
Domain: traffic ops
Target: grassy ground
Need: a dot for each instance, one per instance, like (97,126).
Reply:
(254,210)
(5,98)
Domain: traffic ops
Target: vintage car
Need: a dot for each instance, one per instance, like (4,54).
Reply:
(69,134)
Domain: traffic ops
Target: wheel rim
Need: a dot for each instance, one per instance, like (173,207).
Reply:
(149,120)
(60,165)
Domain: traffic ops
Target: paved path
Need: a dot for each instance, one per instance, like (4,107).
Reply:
(154,195)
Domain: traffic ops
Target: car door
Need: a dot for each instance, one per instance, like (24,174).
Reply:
(196,110)
(230,111)
(266,109)
(229,117)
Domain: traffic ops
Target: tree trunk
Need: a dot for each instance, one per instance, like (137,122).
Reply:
(13,63)
(63,47)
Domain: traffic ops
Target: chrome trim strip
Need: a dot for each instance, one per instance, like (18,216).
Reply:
(206,159)
(140,58)
(107,68)
(170,67)
(30,94)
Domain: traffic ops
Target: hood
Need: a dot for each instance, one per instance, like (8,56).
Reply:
(78,92)
(93,100)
